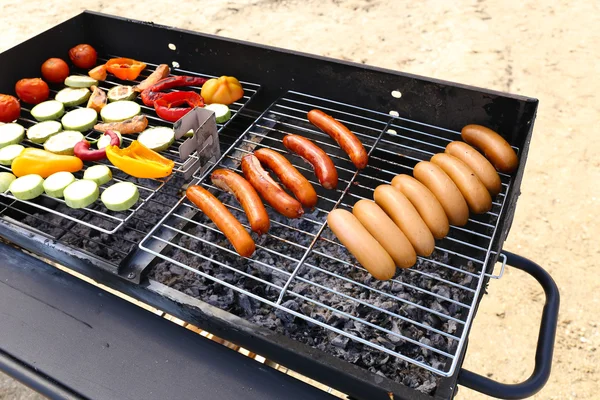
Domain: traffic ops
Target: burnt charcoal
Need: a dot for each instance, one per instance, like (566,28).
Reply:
(285,317)
(340,341)
(427,387)
(385,343)
(243,302)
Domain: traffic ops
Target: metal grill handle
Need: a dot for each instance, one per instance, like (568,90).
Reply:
(545,345)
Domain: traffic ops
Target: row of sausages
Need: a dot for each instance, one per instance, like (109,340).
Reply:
(257,183)
(407,216)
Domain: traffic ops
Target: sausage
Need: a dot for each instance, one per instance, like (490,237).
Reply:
(320,161)
(484,170)
(495,148)
(386,232)
(225,221)
(425,202)
(270,191)
(342,135)
(405,215)
(246,195)
(476,195)
(369,253)
(289,176)
(445,190)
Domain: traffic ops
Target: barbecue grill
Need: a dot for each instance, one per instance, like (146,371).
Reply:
(301,300)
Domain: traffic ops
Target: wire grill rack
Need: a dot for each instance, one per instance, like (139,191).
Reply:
(303,252)
(112,221)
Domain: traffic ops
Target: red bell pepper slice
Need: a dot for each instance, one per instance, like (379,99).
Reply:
(166,105)
(125,68)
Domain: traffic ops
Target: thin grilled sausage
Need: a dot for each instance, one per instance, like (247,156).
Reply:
(246,195)
(406,216)
(369,253)
(270,191)
(320,161)
(495,148)
(225,221)
(342,135)
(386,232)
(289,176)
(445,190)
(484,170)
(476,195)
(427,205)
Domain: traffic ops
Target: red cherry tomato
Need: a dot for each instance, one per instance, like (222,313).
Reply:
(55,70)
(83,56)
(32,91)
(10,109)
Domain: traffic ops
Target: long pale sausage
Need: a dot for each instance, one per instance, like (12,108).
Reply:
(495,148)
(405,215)
(484,170)
(445,190)
(243,191)
(289,176)
(225,221)
(425,202)
(320,161)
(342,135)
(369,253)
(273,194)
(476,195)
(386,232)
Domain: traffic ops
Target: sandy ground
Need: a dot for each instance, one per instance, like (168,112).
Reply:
(549,51)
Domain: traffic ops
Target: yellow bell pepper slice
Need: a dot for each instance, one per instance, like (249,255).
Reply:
(139,161)
(44,163)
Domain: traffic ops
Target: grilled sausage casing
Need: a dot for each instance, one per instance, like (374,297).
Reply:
(484,170)
(320,161)
(495,148)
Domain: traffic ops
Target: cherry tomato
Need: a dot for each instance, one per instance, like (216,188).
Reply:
(10,109)
(32,91)
(83,56)
(55,70)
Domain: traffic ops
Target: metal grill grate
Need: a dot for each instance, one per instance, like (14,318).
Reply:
(111,221)
(303,253)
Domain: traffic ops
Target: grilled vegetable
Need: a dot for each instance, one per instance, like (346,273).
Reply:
(10,109)
(157,139)
(82,119)
(83,56)
(27,187)
(81,194)
(222,112)
(97,100)
(134,125)
(161,72)
(11,134)
(80,81)
(139,161)
(98,173)
(41,131)
(44,163)
(9,153)
(98,73)
(55,70)
(121,92)
(151,94)
(120,196)
(48,110)
(82,148)
(105,140)
(223,90)
(73,97)
(120,111)
(166,106)
(6,178)
(125,68)
(63,142)
(56,183)
(32,91)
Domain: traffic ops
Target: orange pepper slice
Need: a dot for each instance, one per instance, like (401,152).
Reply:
(139,161)
(126,69)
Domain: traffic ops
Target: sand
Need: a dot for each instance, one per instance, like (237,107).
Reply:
(548,51)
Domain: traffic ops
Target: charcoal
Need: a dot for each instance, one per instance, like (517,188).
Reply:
(244,303)
(340,341)
(285,317)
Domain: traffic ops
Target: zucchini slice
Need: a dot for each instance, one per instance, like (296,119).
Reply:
(73,97)
(120,196)
(11,134)
(82,119)
(48,110)
(81,194)
(98,173)
(55,184)
(9,153)
(157,139)
(80,81)
(222,112)
(27,187)
(41,131)
(120,111)
(6,178)
(120,93)
(105,140)
(63,143)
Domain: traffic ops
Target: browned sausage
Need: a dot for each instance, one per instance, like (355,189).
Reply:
(225,221)
(342,135)
(243,191)
(289,176)
(476,195)
(320,161)
(484,170)
(445,190)
(273,194)
(495,148)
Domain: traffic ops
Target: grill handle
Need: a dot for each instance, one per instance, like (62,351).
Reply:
(545,345)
